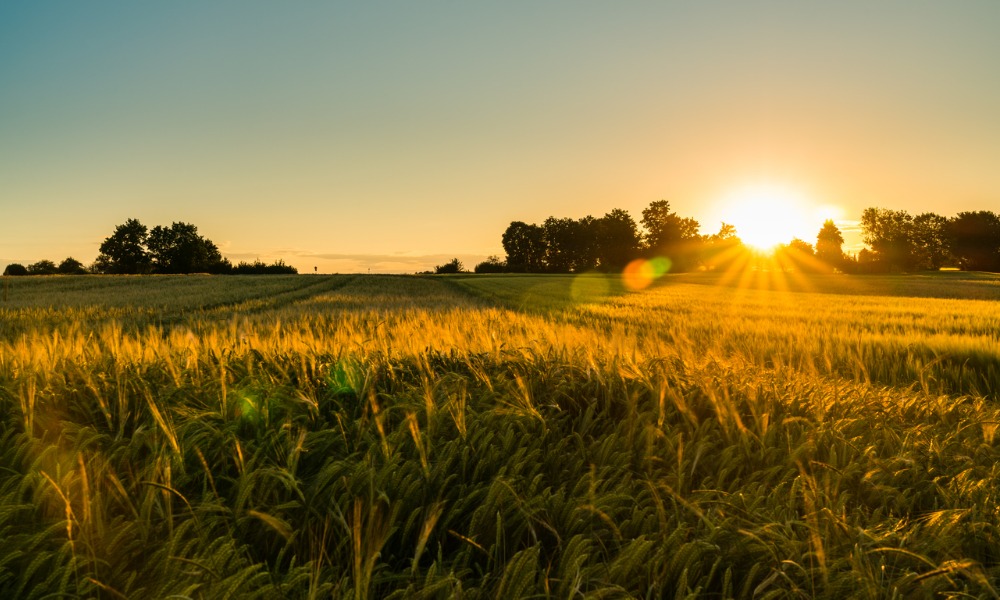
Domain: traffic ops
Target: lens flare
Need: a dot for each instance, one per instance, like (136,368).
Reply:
(641,273)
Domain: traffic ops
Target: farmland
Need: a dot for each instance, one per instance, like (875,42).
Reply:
(755,436)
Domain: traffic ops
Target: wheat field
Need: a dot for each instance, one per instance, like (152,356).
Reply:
(499,437)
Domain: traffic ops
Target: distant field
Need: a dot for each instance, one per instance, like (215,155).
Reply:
(940,340)
(500,436)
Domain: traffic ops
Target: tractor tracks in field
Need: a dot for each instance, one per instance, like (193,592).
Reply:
(252,305)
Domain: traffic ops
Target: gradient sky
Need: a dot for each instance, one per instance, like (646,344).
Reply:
(392,136)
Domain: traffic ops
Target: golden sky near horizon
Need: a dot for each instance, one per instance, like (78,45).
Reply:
(393,136)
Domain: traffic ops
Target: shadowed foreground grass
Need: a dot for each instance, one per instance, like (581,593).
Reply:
(371,437)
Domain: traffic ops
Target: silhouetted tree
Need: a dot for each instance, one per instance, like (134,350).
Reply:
(929,238)
(722,250)
(801,247)
(669,235)
(525,247)
(830,245)
(867,262)
(452,266)
(43,267)
(124,252)
(850,263)
(618,240)
(796,255)
(586,244)
(15,270)
(71,266)
(492,264)
(569,245)
(975,240)
(889,235)
(726,233)
(179,249)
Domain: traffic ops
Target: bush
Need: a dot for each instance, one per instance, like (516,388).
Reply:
(493,264)
(43,267)
(452,266)
(258,267)
(71,266)
(15,269)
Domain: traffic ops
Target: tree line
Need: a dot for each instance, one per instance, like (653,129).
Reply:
(895,240)
(611,242)
(133,249)
(898,241)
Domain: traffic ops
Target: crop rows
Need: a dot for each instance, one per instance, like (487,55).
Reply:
(494,437)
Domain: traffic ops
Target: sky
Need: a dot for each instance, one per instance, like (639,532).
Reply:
(393,136)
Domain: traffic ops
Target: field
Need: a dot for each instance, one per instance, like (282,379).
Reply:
(503,436)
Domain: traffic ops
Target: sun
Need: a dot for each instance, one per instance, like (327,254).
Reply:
(766,215)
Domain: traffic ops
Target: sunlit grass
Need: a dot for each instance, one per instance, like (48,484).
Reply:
(547,436)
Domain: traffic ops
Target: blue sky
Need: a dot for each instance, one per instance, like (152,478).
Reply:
(392,136)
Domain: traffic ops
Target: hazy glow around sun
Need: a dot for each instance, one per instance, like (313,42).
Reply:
(766,215)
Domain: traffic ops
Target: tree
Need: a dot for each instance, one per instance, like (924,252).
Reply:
(796,255)
(133,249)
(571,246)
(71,266)
(829,245)
(867,262)
(15,270)
(929,237)
(726,233)
(179,249)
(124,252)
(975,240)
(565,245)
(43,267)
(800,247)
(452,266)
(560,244)
(722,250)
(889,235)
(586,244)
(492,264)
(669,235)
(525,247)
(618,240)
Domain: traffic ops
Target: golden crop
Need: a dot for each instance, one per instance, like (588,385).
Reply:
(502,436)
